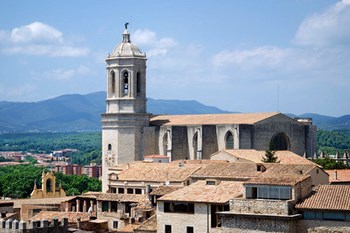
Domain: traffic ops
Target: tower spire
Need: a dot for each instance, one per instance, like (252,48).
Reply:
(126,35)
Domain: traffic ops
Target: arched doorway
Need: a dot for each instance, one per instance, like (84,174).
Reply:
(280,141)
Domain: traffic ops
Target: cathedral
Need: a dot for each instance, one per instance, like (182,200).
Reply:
(129,133)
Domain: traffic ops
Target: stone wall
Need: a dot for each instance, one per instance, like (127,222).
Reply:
(246,134)
(43,226)
(254,206)
(257,224)
(318,226)
(179,143)
(210,143)
(266,129)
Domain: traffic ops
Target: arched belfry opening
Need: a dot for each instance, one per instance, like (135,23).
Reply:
(112,75)
(229,140)
(138,83)
(125,83)
(48,185)
(280,141)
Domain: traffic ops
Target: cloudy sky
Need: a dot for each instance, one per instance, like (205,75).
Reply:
(243,55)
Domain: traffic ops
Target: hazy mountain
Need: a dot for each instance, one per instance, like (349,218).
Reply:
(83,112)
(79,112)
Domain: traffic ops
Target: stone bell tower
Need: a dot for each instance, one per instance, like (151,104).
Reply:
(125,117)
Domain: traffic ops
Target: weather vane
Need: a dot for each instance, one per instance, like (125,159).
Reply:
(126,25)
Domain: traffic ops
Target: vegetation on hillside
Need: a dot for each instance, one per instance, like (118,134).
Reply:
(18,181)
(330,141)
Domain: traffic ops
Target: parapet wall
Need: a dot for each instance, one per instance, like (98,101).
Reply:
(43,226)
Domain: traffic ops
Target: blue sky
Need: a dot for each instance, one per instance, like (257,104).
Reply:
(243,55)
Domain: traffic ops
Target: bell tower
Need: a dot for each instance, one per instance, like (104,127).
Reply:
(126,116)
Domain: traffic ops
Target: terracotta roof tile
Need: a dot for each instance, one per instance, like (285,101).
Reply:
(49,215)
(228,171)
(342,175)
(211,119)
(150,225)
(328,197)
(158,172)
(162,190)
(17,203)
(117,197)
(201,192)
(284,156)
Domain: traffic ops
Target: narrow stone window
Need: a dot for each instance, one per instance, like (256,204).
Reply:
(195,145)
(165,143)
(112,82)
(109,147)
(48,185)
(229,140)
(138,84)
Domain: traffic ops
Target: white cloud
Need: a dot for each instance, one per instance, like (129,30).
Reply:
(156,47)
(62,74)
(17,92)
(36,32)
(266,55)
(39,39)
(328,28)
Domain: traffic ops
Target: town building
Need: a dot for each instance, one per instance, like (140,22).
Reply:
(129,132)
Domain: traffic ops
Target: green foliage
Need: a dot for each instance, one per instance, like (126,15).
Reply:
(18,181)
(30,159)
(88,144)
(2,159)
(328,163)
(74,184)
(331,141)
(270,157)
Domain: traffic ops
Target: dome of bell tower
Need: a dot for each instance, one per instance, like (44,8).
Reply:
(126,48)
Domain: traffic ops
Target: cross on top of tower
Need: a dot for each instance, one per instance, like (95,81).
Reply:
(126,25)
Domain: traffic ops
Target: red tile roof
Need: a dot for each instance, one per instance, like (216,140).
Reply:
(328,197)
(339,176)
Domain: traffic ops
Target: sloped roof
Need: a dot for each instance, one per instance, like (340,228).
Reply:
(228,171)
(150,225)
(284,156)
(17,203)
(49,215)
(117,197)
(342,175)
(328,197)
(203,193)
(162,190)
(158,172)
(211,119)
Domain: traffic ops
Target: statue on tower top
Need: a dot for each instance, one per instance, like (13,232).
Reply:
(126,25)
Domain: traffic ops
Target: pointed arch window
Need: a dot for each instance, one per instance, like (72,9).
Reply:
(138,83)
(229,140)
(195,145)
(165,143)
(112,82)
(126,83)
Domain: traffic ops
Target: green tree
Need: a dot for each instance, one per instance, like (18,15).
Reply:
(270,157)
(328,163)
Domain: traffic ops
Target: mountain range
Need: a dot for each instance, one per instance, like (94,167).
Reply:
(76,112)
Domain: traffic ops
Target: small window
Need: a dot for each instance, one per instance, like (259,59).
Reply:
(167,228)
(109,147)
(113,190)
(105,206)
(114,206)
(130,191)
(138,191)
(115,224)
(190,230)
(121,190)
(113,82)
(211,182)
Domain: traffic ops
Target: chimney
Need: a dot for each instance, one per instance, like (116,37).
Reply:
(335,175)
